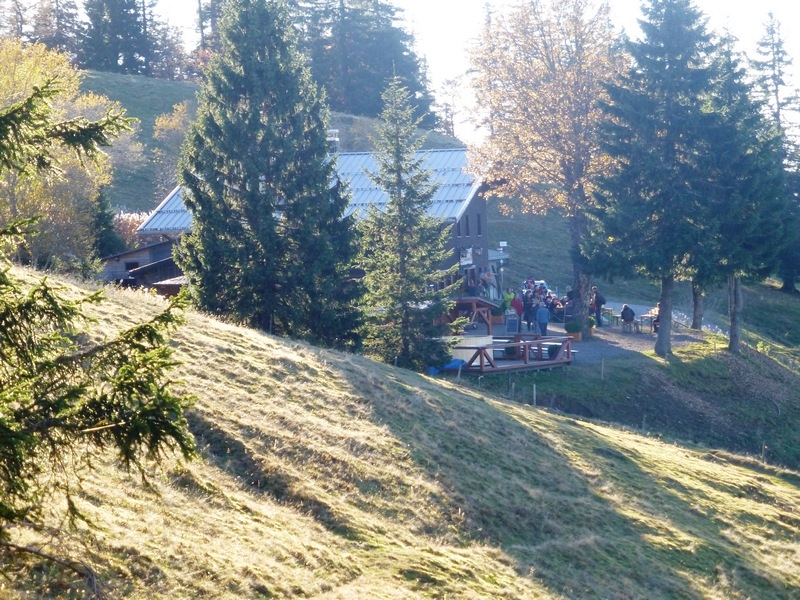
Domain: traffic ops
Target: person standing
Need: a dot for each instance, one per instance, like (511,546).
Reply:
(516,304)
(599,301)
(657,319)
(529,307)
(542,318)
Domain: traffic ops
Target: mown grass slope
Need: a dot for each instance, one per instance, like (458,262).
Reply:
(326,475)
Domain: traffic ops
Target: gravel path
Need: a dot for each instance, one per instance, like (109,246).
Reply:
(611,342)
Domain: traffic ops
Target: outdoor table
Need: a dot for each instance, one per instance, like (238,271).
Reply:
(648,317)
(608,313)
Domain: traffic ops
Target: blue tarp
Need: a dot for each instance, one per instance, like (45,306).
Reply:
(455,364)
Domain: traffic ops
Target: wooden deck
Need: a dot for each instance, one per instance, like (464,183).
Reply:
(518,352)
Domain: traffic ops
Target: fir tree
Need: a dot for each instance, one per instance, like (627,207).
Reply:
(355,46)
(107,240)
(115,38)
(403,249)
(744,188)
(67,392)
(268,246)
(57,26)
(651,208)
(772,64)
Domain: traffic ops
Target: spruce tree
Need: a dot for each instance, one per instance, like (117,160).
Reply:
(56,25)
(107,240)
(651,209)
(772,65)
(744,188)
(68,391)
(114,38)
(268,246)
(355,46)
(403,249)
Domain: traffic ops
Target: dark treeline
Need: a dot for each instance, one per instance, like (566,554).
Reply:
(354,46)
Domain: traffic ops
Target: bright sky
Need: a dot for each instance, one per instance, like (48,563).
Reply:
(445,29)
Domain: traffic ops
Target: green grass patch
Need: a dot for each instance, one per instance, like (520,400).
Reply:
(328,475)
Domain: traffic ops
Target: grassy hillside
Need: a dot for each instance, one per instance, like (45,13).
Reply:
(325,475)
(146,99)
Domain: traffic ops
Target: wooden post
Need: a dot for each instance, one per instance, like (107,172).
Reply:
(534,394)
(602,368)
(513,386)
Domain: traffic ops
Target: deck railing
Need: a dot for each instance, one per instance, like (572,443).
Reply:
(514,353)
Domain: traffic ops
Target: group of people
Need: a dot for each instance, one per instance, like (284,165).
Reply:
(536,306)
(483,287)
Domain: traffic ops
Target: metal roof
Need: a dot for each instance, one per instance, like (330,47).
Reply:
(169,217)
(447,167)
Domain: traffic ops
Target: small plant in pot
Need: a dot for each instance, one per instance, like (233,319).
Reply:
(590,324)
(574,328)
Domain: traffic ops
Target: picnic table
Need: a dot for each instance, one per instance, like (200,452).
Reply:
(611,316)
(648,318)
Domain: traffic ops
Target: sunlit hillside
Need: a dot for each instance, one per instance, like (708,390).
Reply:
(326,475)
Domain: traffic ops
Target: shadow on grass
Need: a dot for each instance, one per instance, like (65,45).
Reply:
(519,488)
(229,454)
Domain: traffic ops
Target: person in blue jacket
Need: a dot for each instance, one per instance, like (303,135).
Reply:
(542,318)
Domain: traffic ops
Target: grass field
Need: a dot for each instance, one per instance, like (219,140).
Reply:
(326,475)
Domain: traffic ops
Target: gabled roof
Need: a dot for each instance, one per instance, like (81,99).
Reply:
(448,168)
(169,218)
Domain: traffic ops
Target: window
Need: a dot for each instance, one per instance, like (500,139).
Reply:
(458,228)
(131,265)
(466,225)
(478,225)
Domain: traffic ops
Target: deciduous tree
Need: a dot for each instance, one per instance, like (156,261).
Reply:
(169,132)
(540,74)
(63,199)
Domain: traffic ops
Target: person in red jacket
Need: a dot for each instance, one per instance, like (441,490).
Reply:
(517,305)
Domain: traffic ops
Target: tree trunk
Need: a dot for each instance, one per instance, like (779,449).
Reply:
(663,346)
(735,309)
(789,275)
(697,306)
(578,232)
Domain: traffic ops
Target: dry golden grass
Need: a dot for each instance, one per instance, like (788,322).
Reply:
(325,475)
